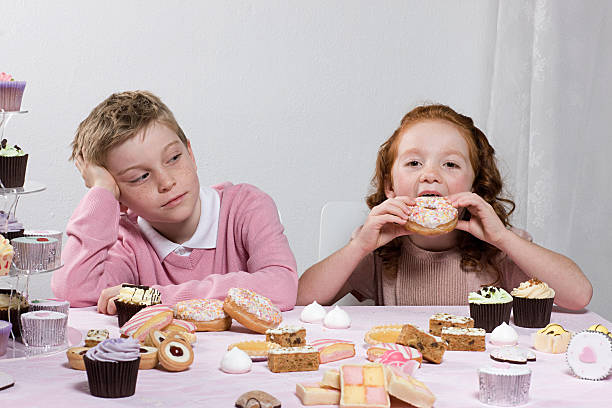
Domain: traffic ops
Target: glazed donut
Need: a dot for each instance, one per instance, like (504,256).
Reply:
(432,216)
(253,311)
(205,314)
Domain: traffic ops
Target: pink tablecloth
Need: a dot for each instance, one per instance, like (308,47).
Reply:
(46,381)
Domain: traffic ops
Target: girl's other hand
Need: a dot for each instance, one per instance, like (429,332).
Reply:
(96,176)
(384,223)
(106,301)
(484,223)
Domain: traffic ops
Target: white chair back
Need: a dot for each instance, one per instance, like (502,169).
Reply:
(338,221)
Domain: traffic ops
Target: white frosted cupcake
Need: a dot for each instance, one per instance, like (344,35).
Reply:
(51,305)
(43,328)
(504,385)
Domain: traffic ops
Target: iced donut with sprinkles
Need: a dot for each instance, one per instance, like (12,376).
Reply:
(432,216)
(205,314)
(252,310)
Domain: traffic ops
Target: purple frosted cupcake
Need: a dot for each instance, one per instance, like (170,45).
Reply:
(5,332)
(112,368)
(43,328)
(11,93)
(533,302)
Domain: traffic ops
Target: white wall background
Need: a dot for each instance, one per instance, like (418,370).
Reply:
(294,97)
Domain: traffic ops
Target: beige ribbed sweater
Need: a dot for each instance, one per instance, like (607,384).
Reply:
(426,278)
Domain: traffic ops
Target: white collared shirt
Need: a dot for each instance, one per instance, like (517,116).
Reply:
(205,236)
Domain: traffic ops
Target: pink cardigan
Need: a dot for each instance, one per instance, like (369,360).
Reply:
(105,248)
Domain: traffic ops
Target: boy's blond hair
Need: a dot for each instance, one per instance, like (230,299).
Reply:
(118,118)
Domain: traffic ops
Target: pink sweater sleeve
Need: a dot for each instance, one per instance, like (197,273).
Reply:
(94,256)
(255,235)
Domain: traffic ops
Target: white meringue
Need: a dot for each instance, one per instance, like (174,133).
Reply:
(313,313)
(337,319)
(504,335)
(236,361)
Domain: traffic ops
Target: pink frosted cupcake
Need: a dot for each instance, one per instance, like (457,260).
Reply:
(43,328)
(11,93)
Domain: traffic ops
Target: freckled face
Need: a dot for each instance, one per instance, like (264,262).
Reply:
(432,158)
(157,175)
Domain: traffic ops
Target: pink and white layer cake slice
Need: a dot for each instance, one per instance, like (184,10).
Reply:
(317,394)
(43,328)
(155,317)
(406,352)
(363,386)
(333,350)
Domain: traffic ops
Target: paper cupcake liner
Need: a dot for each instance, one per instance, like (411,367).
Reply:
(533,313)
(50,306)
(35,256)
(12,170)
(111,379)
(125,311)
(504,390)
(490,315)
(43,332)
(11,94)
(59,235)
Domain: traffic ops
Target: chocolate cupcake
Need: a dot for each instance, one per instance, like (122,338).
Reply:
(13,162)
(532,305)
(11,93)
(12,305)
(112,368)
(490,307)
(132,299)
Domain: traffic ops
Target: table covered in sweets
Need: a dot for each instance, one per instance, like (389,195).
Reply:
(47,381)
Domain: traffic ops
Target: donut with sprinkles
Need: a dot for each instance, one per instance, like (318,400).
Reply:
(205,314)
(252,310)
(432,216)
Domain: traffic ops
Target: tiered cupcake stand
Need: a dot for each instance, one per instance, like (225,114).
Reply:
(19,279)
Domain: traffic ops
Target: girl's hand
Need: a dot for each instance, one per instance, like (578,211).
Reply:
(384,223)
(484,223)
(106,301)
(96,176)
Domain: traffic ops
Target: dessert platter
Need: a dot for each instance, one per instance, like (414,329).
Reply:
(36,326)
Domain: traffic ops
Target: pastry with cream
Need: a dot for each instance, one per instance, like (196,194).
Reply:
(552,339)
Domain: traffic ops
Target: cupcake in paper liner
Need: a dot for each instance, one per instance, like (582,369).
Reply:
(11,93)
(35,253)
(532,305)
(13,163)
(48,234)
(504,385)
(490,307)
(12,305)
(112,368)
(43,328)
(589,355)
(132,299)
(51,305)
(5,332)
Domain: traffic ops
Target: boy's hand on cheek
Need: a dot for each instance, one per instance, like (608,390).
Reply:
(96,176)
(484,223)
(106,301)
